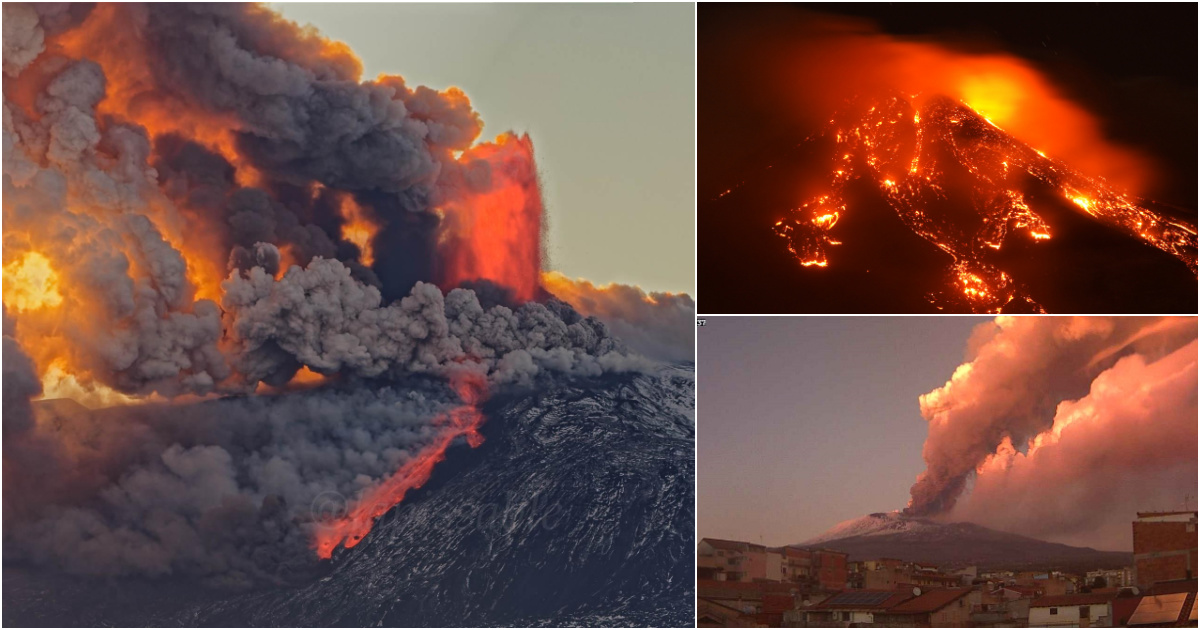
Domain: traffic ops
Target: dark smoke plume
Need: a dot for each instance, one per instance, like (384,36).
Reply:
(204,200)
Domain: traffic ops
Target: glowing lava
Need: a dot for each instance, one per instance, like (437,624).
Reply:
(30,283)
(465,420)
(497,234)
(359,228)
(891,136)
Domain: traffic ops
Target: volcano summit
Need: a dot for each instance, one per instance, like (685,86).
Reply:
(893,535)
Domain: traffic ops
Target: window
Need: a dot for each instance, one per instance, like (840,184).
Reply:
(1053,611)
(1085,611)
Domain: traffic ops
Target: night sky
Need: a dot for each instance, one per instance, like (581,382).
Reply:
(1132,65)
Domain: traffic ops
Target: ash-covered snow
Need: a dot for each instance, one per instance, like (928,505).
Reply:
(578,510)
(877,524)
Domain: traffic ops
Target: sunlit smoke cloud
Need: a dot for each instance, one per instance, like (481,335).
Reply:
(658,325)
(1020,368)
(1025,387)
(1129,445)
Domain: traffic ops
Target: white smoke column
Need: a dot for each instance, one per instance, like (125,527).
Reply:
(1129,445)
(1019,369)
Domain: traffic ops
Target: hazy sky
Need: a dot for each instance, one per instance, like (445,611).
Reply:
(804,422)
(606,93)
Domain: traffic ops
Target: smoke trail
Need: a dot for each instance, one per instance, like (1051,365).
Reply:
(1019,371)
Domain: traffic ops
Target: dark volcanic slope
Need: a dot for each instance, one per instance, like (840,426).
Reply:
(577,510)
(959,544)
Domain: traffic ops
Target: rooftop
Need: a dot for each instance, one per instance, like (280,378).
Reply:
(1078,599)
(932,601)
(864,600)
(734,545)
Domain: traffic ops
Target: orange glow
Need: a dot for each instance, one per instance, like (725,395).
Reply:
(359,229)
(826,220)
(465,420)
(30,283)
(59,382)
(496,234)
(823,60)
(306,376)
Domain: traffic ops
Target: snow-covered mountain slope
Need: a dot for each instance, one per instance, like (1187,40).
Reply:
(578,509)
(877,524)
(893,535)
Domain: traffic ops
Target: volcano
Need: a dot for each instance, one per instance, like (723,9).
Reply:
(578,509)
(918,203)
(893,535)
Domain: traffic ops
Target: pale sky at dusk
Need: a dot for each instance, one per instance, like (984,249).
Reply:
(809,421)
(606,92)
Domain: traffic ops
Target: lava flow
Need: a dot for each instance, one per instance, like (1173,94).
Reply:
(464,420)
(489,232)
(907,151)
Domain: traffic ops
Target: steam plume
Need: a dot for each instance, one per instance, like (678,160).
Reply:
(1026,387)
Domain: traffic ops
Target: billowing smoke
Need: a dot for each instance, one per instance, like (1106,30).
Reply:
(152,152)
(228,490)
(208,200)
(1059,415)
(658,325)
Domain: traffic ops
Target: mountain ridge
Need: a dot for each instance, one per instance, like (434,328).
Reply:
(893,535)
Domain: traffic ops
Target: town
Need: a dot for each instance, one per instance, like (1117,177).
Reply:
(748,585)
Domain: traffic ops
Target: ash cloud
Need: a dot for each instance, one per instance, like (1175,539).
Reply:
(334,324)
(192,267)
(221,490)
(144,224)
(1023,376)
(1128,445)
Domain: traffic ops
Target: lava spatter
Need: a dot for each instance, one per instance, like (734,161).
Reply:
(908,153)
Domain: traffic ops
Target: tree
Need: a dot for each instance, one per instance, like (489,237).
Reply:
(1099,582)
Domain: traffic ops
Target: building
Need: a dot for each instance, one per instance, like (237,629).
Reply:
(887,575)
(945,608)
(1080,610)
(1113,578)
(818,569)
(855,607)
(745,597)
(1012,592)
(1164,547)
(710,614)
(730,560)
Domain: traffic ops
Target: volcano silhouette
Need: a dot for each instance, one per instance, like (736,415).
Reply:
(893,535)
(937,209)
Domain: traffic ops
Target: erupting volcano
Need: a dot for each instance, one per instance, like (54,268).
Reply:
(243,283)
(913,156)
(850,166)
